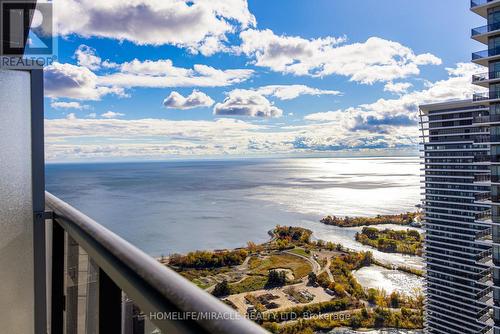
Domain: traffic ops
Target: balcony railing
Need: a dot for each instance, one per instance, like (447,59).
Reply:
(475,3)
(486,96)
(484,235)
(485,29)
(486,53)
(486,119)
(122,285)
(486,76)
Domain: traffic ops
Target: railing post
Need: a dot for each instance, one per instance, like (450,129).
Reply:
(110,305)
(72,286)
(57,308)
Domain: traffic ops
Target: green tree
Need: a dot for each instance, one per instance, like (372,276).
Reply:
(311,277)
(221,289)
(276,278)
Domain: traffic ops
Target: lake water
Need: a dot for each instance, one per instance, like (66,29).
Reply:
(389,280)
(178,206)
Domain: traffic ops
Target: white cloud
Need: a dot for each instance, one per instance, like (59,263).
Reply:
(382,125)
(71,116)
(68,105)
(86,56)
(198,25)
(375,60)
(327,116)
(288,92)
(112,114)
(243,102)
(162,73)
(77,82)
(398,88)
(196,99)
(92,115)
(383,114)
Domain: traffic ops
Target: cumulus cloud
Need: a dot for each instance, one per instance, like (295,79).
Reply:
(112,114)
(86,56)
(375,60)
(68,105)
(162,73)
(71,116)
(381,125)
(383,114)
(198,25)
(160,138)
(243,102)
(398,88)
(196,99)
(288,92)
(77,82)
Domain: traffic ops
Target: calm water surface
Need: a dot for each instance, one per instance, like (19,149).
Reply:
(178,206)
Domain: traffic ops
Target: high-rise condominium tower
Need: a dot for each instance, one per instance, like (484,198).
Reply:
(457,217)
(490,59)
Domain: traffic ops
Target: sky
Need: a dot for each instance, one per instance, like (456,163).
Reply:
(161,79)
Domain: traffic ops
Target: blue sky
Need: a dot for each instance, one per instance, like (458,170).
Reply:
(235,78)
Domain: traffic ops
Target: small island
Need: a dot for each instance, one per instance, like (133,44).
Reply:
(408,218)
(292,284)
(390,241)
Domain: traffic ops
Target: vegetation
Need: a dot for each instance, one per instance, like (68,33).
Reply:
(401,219)
(391,241)
(342,267)
(196,275)
(221,289)
(276,278)
(378,318)
(380,298)
(296,235)
(301,251)
(403,268)
(297,265)
(311,309)
(250,283)
(312,278)
(207,259)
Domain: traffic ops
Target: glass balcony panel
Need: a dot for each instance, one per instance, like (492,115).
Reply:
(135,321)
(475,3)
(486,53)
(486,76)
(485,29)
(81,316)
(486,96)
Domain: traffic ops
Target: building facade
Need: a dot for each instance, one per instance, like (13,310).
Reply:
(457,217)
(489,35)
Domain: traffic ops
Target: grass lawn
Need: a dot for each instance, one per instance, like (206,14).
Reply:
(300,251)
(298,266)
(251,283)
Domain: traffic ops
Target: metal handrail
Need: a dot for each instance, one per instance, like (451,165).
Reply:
(152,286)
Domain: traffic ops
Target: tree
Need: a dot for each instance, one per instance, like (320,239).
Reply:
(355,321)
(395,299)
(367,259)
(276,278)
(311,277)
(221,289)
